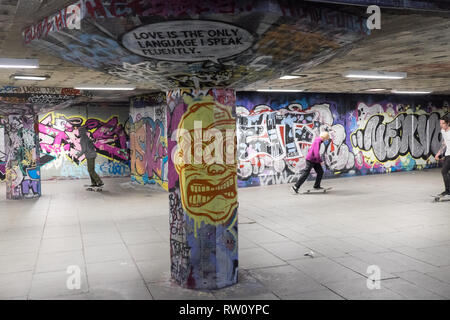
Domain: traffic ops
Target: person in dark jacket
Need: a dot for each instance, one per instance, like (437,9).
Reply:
(89,151)
(313,160)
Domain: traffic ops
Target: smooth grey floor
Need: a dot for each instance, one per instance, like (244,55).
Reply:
(119,240)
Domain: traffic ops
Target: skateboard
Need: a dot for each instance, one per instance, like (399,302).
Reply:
(324,190)
(97,189)
(439,198)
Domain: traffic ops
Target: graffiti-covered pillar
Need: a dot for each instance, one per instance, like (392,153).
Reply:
(202,178)
(22,157)
(148,139)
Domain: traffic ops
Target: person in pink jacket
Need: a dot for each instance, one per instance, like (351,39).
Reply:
(313,160)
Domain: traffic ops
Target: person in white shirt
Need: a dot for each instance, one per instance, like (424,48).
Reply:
(445,152)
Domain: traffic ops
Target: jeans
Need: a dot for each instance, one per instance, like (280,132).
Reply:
(446,173)
(310,165)
(95,179)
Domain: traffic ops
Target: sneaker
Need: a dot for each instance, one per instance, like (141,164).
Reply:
(318,188)
(445,193)
(294,189)
(100,184)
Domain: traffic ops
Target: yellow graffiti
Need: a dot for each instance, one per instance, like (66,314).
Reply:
(208,191)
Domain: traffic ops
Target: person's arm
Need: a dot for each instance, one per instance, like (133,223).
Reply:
(441,150)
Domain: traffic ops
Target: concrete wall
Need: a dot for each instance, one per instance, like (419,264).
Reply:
(370,133)
(59,142)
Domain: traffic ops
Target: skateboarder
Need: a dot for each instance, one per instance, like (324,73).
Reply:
(445,152)
(88,149)
(313,160)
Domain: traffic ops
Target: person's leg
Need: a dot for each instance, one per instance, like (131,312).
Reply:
(446,173)
(319,171)
(304,175)
(98,181)
(91,170)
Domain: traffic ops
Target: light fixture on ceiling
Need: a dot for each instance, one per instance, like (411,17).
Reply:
(375,90)
(19,63)
(29,77)
(279,90)
(374,74)
(410,92)
(104,87)
(288,77)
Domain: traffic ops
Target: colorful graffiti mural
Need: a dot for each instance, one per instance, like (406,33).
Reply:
(275,131)
(22,157)
(60,145)
(202,192)
(2,152)
(148,140)
(191,44)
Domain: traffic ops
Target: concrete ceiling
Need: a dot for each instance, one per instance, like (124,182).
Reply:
(416,42)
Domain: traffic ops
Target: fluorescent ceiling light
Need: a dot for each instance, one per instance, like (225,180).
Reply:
(104,87)
(375,90)
(19,63)
(410,92)
(38,78)
(280,90)
(289,77)
(375,75)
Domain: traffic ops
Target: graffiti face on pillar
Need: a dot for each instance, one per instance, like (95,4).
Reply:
(208,187)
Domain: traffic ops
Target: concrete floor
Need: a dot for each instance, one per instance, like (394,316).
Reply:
(119,239)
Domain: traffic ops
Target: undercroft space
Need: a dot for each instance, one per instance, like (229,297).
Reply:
(119,240)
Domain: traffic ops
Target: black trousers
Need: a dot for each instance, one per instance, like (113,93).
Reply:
(310,165)
(446,173)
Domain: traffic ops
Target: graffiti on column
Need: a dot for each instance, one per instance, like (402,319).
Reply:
(202,193)
(59,141)
(273,139)
(22,157)
(2,152)
(148,140)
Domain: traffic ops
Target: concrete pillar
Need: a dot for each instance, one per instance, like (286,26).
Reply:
(23,179)
(202,176)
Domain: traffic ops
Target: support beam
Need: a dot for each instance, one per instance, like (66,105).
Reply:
(202,187)
(22,157)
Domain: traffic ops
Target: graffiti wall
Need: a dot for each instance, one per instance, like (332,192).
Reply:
(60,143)
(195,44)
(2,152)
(202,189)
(22,174)
(148,140)
(370,134)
